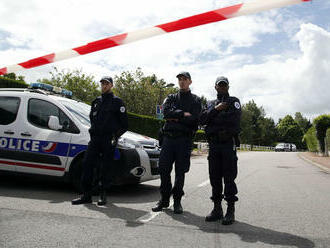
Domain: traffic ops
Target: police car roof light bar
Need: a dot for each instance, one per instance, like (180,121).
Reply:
(51,88)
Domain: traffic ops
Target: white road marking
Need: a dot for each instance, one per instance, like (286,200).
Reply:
(204,183)
(151,215)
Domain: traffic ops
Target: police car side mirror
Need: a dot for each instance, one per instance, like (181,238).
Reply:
(54,123)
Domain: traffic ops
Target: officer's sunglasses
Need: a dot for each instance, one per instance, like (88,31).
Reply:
(104,83)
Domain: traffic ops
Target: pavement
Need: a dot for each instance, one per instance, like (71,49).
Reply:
(311,157)
(317,160)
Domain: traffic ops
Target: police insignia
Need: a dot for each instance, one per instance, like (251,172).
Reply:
(237,105)
(122,109)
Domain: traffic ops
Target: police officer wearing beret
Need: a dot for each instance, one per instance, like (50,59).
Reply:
(108,122)
(181,112)
(222,120)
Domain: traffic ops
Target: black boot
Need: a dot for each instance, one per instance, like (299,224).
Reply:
(82,200)
(230,215)
(164,202)
(177,206)
(103,198)
(216,213)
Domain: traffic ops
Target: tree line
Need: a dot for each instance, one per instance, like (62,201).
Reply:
(142,93)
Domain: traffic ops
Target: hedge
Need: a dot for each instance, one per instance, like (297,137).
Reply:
(144,124)
(11,83)
(328,138)
(321,123)
(311,140)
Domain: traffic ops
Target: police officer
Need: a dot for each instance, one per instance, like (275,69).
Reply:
(181,112)
(108,122)
(222,120)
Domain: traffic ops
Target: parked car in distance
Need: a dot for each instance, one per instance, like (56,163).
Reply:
(285,147)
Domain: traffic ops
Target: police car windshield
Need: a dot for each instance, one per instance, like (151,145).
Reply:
(79,109)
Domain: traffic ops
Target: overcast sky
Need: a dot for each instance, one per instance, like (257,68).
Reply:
(279,58)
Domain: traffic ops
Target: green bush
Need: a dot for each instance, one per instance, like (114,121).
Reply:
(321,123)
(328,138)
(144,124)
(311,140)
(200,136)
(11,83)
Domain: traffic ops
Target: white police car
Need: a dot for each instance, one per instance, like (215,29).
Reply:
(47,134)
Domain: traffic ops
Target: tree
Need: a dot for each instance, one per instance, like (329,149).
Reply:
(14,77)
(302,122)
(82,86)
(142,93)
(290,132)
(268,134)
(322,123)
(250,123)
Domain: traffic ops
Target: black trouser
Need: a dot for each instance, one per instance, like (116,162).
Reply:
(223,168)
(98,159)
(176,150)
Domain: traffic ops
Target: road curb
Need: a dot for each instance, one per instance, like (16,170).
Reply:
(327,170)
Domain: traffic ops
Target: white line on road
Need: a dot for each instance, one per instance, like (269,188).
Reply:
(204,183)
(151,215)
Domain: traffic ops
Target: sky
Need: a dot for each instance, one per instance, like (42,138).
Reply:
(279,58)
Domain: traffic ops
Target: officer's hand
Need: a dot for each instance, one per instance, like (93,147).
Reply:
(221,106)
(186,114)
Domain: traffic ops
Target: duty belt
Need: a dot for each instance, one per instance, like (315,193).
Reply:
(219,137)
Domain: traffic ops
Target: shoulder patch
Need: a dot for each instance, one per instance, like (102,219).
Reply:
(237,105)
(122,109)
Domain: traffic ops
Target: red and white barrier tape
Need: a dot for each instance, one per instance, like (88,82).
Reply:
(121,39)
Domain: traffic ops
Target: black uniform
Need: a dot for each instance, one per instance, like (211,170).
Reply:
(108,122)
(177,142)
(222,129)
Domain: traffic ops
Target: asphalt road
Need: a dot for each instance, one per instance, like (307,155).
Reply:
(284,202)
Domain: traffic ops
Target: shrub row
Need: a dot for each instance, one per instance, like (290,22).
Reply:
(328,138)
(145,125)
(322,123)
(11,83)
(311,140)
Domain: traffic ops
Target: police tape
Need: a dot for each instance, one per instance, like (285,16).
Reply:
(125,38)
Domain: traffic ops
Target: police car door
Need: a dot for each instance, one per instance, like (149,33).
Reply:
(45,150)
(9,106)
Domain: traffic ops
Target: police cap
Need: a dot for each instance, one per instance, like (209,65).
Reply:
(107,79)
(221,79)
(185,74)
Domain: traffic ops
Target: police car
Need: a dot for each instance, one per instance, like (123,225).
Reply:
(45,133)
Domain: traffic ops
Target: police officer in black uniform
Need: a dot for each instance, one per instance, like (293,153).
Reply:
(108,122)
(181,112)
(222,120)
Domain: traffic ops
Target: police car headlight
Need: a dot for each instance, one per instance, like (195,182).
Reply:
(128,143)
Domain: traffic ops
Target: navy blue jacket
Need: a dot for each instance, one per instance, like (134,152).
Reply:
(227,121)
(108,116)
(174,107)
